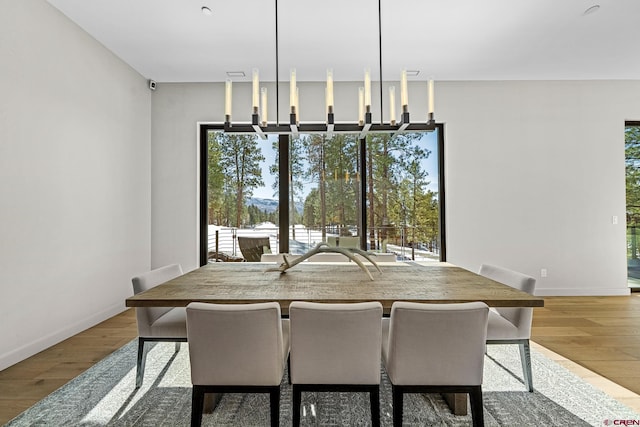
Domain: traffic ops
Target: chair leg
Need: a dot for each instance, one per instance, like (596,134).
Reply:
(297,400)
(140,362)
(274,399)
(374,396)
(197,403)
(477,409)
(525,356)
(397,406)
(177,346)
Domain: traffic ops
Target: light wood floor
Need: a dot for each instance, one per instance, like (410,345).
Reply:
(601,334)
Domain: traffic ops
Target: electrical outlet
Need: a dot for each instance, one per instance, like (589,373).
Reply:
(543,272)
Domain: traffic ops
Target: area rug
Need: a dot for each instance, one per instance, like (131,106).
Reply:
(105,395)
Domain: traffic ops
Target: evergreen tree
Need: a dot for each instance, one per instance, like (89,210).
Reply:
(240,160)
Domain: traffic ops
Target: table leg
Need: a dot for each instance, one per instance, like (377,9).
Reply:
(211,400)
(457,402)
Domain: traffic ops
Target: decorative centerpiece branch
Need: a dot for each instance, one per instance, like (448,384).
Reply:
(325,248)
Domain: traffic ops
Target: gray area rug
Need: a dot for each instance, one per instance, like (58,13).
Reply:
(105,395)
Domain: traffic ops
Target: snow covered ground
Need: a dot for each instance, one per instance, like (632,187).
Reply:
(304,240)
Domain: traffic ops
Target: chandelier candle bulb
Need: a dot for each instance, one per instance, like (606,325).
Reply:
(404,93)
(329,91)
(256,90)
(367,90)
(431,100)
(292,91)
(297,106)
(361,106)
(392,105)
(227,101)
(263,105)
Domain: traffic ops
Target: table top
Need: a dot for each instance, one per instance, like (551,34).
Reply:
(332,283)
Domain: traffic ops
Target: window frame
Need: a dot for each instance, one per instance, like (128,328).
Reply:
(283,190)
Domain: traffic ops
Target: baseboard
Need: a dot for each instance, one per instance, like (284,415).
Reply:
(29,349)
(586,292)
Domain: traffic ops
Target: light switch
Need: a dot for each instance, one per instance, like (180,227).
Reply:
(614,219)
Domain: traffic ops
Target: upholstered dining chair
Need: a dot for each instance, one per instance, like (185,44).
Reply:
(512,325)
(236,348)
(435,348)
(157,323)
(335,347)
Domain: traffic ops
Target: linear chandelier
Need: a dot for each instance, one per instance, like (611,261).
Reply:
(259,117)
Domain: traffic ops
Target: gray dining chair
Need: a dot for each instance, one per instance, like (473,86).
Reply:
(512,325)
(157,323)
(435,348)
(236,348)
(335,347)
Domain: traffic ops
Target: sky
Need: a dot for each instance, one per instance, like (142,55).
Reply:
(430,140)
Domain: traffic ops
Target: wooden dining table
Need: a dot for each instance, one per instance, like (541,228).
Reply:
(345,282)
(232,283)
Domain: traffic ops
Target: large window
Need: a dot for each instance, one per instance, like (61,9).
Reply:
(382,194)
(632,172)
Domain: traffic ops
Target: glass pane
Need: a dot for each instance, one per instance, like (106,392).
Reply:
(402,195)
(241,195)
(632,169)
(325,180)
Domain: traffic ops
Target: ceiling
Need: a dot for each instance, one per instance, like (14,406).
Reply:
(173,41)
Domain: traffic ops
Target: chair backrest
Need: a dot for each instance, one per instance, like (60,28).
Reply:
(147,315)
(235,344)
(335,343)
(252,248)
(349,242)
(436,344)
(519,317)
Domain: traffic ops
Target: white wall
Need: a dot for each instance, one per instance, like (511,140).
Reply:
(534,172)
(74,179)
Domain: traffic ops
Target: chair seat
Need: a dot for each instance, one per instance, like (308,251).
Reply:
(171,324)
(500,328)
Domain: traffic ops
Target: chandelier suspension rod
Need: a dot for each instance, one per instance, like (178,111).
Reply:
(277,79)
(380,55)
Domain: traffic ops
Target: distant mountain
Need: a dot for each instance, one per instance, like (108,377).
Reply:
(269,205)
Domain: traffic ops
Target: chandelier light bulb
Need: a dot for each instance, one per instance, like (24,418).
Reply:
(256,91)
(361,106)
(329,93)
(404,94)
(431,98)
(367,90)
(297,106)
(392,104)
(292,91)
(227,101)
(263,105)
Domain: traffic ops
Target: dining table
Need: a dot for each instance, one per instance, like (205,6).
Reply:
(341,282)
